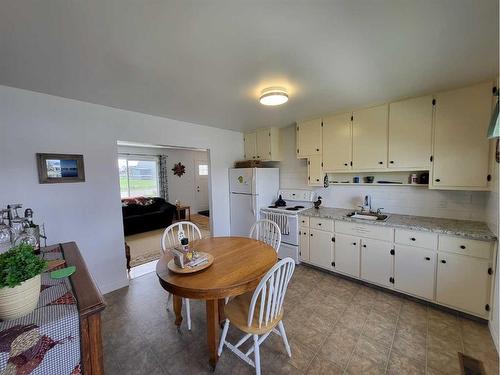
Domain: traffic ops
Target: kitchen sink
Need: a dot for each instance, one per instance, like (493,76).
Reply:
(365,215)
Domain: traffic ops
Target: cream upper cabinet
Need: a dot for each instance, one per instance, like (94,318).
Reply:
(250,145)
(369,138)
(460,154)
(337,142)
(314,171)
(410,133)
(262,144)
(309,138)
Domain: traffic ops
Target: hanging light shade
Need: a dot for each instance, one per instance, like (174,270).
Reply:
(273,96)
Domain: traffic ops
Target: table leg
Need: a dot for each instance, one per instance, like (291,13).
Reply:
(212,331)
(177,301)
(222,316)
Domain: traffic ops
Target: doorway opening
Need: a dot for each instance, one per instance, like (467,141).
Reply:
(160,185)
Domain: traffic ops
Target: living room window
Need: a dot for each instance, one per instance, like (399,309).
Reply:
(138,176)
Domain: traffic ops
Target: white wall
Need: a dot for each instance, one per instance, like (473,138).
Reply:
(398,199)
(90,212)
(179,188)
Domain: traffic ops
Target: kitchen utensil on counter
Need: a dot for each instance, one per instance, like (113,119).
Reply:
(369,179)
(355,179)
(280,202)
(317,203)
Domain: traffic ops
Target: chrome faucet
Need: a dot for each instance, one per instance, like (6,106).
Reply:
(368,202)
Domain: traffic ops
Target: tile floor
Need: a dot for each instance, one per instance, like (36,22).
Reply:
(335,326)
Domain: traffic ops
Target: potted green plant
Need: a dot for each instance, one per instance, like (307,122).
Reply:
(20,281)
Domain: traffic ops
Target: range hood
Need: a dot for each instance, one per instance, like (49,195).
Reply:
(494,129)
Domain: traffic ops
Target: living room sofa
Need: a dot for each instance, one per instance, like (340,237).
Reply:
(142,214)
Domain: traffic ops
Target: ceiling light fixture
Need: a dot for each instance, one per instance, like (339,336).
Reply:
(273,96)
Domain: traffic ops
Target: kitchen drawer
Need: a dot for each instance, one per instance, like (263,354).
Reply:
(321,224)
(464,246)
(304,221)
(363,230)
(415,238)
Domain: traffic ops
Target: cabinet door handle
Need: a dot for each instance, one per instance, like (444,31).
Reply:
(427,258)
(317,149)
(443,261)
(413,239)
(364,245)
(311,234)
(319,224)
(437,180)
(354,244)
(381,162)
(462,247)
(346,164)
(392,162)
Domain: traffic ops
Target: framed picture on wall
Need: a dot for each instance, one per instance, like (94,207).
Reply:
(59,168)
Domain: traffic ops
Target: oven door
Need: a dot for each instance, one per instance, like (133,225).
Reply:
(291,236)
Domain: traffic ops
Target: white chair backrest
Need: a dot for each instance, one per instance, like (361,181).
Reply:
(270,293)
(173,234)
(267,231)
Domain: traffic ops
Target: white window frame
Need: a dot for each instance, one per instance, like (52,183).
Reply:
(154,158)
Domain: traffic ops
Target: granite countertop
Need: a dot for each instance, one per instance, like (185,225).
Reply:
(475,230)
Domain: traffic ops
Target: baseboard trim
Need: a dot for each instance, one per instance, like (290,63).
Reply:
(113,286)
(494,333)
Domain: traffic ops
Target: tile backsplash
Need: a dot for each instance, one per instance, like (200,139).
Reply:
(466,205)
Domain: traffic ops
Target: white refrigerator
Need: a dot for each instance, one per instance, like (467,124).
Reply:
(250,190)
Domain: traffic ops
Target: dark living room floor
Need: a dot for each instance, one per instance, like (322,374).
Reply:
(334,326)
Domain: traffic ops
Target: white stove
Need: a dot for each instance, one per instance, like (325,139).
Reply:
(287,219)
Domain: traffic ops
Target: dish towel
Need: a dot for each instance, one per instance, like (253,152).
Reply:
(281,220)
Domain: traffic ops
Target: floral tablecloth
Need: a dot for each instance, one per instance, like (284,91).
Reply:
(46,341)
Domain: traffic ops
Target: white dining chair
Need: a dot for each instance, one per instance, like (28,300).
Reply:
(258,314)
(172,237)
(267,231)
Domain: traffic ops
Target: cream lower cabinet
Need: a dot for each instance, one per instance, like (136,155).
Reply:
(377,262)
(463,282)
(450,271)
(347,254)
(414,271)
(304,244)
(321,248)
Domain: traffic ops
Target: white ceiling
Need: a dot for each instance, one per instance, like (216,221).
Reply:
(206,61)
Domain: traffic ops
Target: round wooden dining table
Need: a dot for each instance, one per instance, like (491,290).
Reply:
(239,264)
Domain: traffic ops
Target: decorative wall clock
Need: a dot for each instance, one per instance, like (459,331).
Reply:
(179,169)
